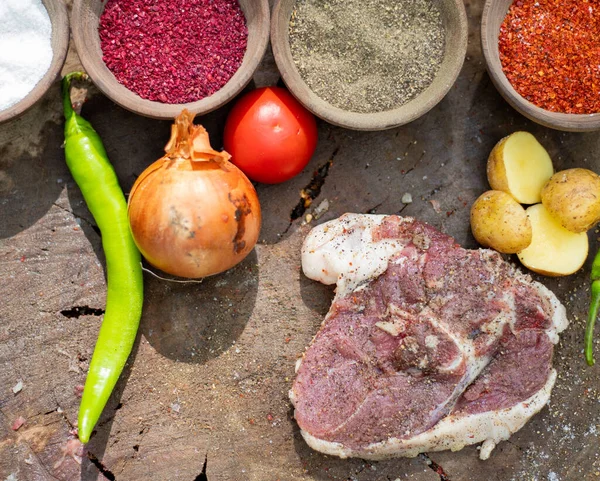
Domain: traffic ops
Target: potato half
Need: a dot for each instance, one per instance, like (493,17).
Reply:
(520,166)
(500,222)
(573,197)
(554,250)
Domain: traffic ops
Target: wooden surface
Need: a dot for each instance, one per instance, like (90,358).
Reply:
(210,372)
(493,14)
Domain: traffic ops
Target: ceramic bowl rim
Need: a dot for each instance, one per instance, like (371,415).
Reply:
(60,46)
(554,120)
(109,86)
(364,121)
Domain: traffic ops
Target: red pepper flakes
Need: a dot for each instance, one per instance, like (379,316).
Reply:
(173,51)
(550,53)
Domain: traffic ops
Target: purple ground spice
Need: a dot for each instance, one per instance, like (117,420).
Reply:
(173,51)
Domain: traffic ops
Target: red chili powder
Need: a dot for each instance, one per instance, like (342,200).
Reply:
(173,51)
(550,53)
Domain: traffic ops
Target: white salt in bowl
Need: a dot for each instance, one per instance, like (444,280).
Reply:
(57,11)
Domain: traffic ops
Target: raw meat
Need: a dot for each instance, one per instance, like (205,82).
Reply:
(427,346)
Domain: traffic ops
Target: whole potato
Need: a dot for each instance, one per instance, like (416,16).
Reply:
(500,222)
(572,197)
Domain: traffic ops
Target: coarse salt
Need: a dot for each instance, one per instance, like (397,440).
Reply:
(25,48)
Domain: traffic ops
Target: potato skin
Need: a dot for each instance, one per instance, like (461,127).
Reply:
(572,197)
(496,172)
(498,221)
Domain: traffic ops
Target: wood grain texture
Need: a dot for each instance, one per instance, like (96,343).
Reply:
(494,12)
(189,393)
(84,21)
(455,23)
(57,12)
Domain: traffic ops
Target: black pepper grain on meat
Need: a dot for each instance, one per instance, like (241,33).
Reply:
(367,55)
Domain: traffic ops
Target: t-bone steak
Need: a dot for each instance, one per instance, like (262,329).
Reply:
(427,346)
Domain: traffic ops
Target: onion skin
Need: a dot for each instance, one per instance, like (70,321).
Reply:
(193,213)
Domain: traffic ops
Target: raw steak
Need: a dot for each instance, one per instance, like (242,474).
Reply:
(427,346)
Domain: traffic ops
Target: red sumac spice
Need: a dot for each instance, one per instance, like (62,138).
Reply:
(173,51)
(550,53)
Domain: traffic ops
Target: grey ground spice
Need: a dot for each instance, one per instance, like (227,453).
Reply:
(367,55)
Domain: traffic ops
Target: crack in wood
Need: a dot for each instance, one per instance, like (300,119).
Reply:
(415,165)
(432,193)
(41,464)
(434,467)
(61,411)
(373,210)
(33,453)
(202,476)
(95,228)
(62,208)
(78,311)
(312,190)
(107,473)
(399,212)
(407,148)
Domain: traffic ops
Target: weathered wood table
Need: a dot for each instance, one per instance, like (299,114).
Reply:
(204,395)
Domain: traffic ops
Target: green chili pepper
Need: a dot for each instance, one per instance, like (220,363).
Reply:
(95,176)
(593,314)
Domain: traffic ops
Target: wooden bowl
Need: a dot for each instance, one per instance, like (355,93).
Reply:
(85,20)
(455,23)
(60,43)
(494,12)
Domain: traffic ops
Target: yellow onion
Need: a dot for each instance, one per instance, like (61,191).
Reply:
(192,212)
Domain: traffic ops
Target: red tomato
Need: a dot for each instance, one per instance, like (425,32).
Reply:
(270,135)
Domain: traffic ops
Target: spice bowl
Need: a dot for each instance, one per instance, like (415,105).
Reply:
(85,24)
(453,26)
(494,13)
(57,12)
